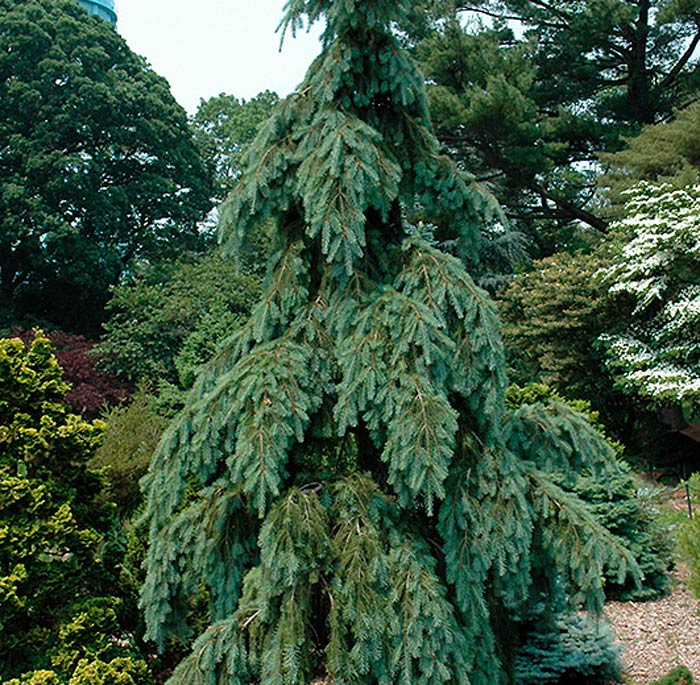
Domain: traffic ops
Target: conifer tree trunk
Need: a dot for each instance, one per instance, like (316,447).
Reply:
(345,480)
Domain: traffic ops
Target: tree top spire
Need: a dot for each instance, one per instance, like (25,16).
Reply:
(345,15)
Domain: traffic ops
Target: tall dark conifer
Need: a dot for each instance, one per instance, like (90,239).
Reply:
(345,480)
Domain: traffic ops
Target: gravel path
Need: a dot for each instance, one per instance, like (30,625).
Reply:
(658,635)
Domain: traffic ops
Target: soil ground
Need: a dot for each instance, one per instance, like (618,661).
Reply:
(658,635)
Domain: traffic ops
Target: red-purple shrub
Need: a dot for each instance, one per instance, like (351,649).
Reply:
(91,389)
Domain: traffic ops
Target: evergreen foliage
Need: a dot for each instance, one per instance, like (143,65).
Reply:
(665,153)
(345,479)
(574,649)
(526,94)
(615,503)
(617,506)
(58,558)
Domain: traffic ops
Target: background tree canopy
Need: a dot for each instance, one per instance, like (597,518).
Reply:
(170,319)
(527,99)
(664,153)
(97,164)
(223,127)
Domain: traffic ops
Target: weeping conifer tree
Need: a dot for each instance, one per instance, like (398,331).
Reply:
(345,482)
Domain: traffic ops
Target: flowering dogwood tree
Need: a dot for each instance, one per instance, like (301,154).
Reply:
(659,267)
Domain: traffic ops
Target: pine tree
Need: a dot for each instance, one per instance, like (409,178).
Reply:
(345,482)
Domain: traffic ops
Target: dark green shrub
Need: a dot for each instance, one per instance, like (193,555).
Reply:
(131,434)
(618,506)
(680,675)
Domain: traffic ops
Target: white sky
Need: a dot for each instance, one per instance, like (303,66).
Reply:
(207,47)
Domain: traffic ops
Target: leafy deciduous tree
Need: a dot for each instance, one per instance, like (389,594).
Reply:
(132,431)
(223,127)
(91,390)
(166,322)
(98,167)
